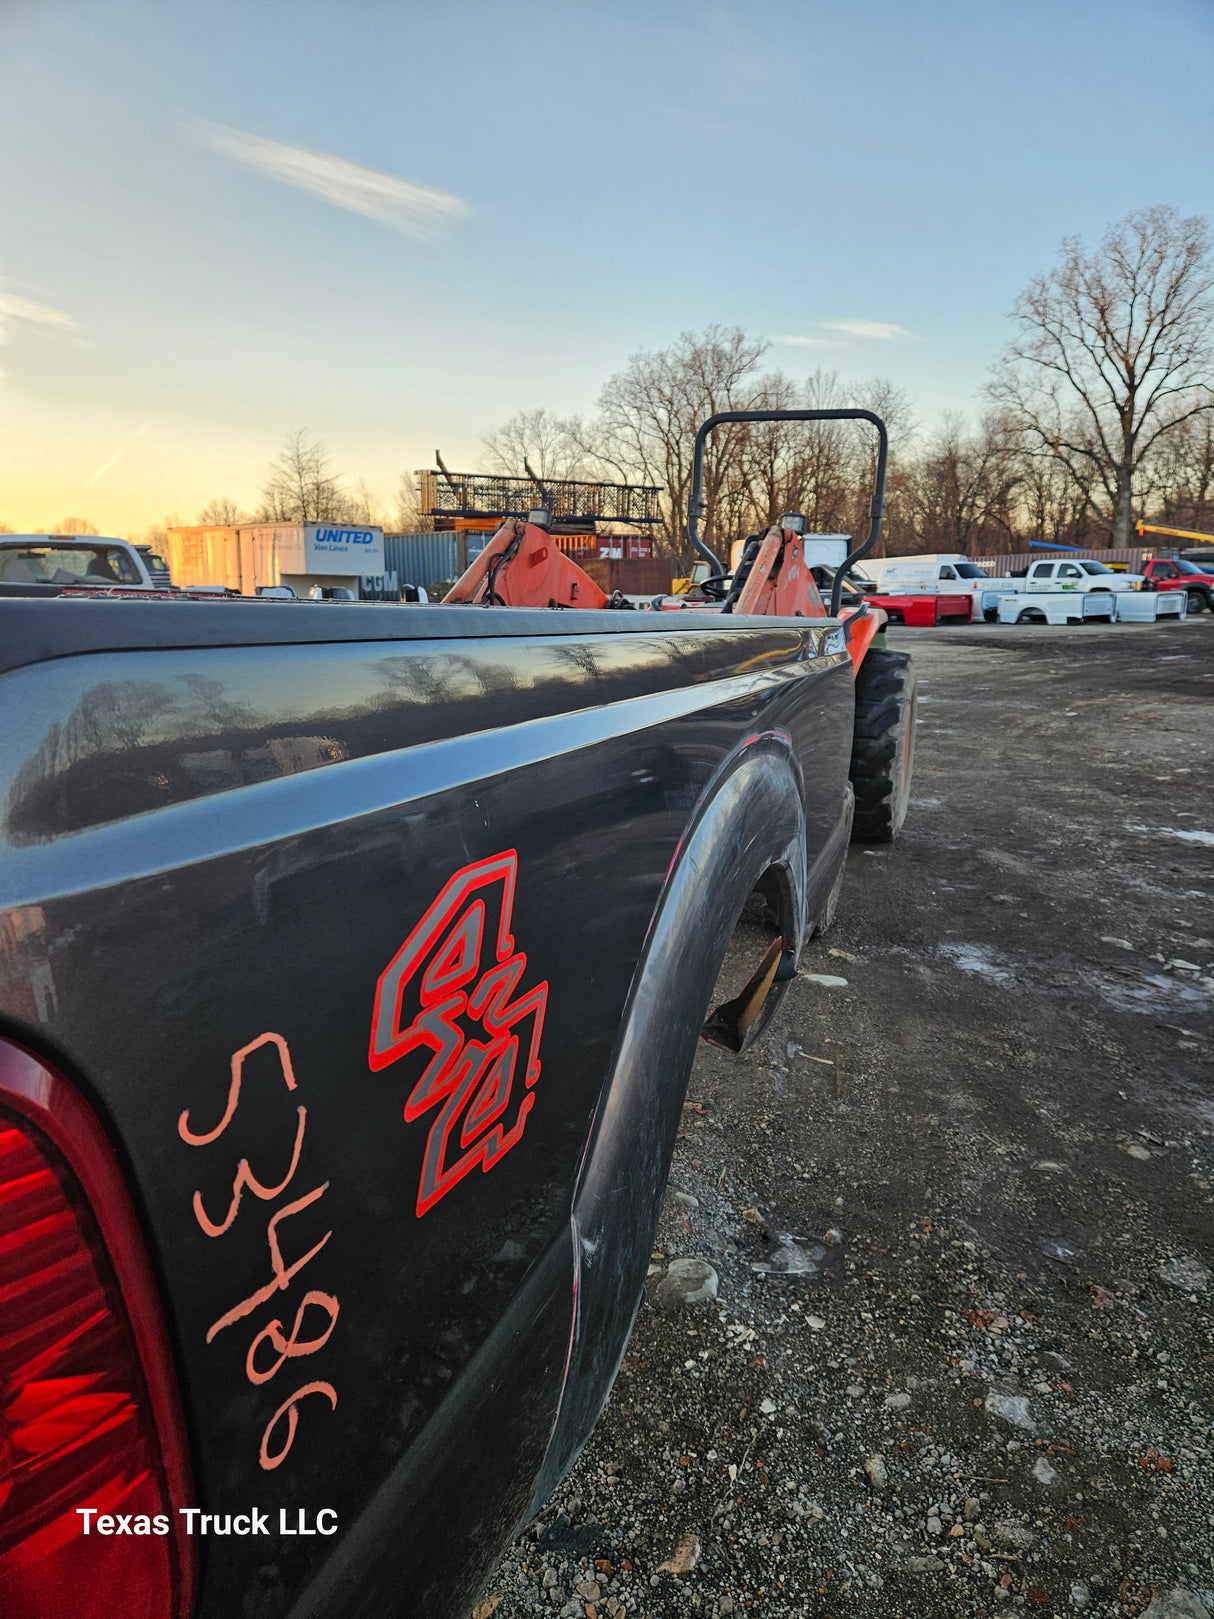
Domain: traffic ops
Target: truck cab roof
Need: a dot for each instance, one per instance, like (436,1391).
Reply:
(71,559)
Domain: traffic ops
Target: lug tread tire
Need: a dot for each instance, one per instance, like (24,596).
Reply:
(883,744)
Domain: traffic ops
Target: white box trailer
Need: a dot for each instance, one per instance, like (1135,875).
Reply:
(1060,607)
(302,555)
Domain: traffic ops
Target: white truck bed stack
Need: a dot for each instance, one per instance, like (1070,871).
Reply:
(1144,607)
(1059,590)
(1056,607)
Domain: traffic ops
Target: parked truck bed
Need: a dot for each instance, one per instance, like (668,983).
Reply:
(366,949)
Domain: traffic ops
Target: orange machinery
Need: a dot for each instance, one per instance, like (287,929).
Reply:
(521,566)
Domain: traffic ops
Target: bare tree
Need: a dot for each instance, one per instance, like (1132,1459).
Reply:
(825,469)
(157,535)
(552,446)
(302,488)
(964,484)
(410,518)
(73,525)
(222,513)
(650,412)
(812,467)
(1115,351)
(1052,502)
(1184,475)
(645,433)
(769,468)
(887,400)
(363,506)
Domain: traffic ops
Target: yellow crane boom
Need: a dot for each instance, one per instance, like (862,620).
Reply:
(1176,533)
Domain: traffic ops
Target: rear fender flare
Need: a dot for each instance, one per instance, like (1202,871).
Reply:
(752,823)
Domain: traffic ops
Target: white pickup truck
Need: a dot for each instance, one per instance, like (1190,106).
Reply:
(45,564)
(1075,573)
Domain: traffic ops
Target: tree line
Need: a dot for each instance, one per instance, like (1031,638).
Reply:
(1099,412)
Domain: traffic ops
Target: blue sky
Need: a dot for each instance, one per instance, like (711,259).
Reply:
(553,187)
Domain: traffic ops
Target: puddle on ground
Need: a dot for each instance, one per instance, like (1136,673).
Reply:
(1151,992)
(974,958)
(1206,839)
(1055,1248)
(787,1258)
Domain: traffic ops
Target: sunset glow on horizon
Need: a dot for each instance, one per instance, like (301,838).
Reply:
(225,223)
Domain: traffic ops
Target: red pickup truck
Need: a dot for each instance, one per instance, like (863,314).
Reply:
(1176,574)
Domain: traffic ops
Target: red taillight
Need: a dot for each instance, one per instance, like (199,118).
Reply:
(88,1405)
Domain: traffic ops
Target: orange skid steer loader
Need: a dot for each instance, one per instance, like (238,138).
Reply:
(522,567)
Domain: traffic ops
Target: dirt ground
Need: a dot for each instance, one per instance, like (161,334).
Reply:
(957,1205)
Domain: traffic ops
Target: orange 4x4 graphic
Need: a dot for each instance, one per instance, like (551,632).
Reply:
(446,976)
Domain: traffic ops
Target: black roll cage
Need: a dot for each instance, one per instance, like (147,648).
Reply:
(695,506)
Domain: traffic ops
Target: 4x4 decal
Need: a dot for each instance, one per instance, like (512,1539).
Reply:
(458,968)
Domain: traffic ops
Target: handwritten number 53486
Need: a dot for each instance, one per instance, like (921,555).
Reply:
(316,1315)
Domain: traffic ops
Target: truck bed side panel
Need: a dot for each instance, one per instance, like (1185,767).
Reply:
(211,860)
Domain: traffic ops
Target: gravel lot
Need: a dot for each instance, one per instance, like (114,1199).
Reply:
(958,1208)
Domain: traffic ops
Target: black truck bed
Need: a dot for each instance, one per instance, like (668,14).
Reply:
(376,942)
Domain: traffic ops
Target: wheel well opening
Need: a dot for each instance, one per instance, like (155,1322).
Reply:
(759,960)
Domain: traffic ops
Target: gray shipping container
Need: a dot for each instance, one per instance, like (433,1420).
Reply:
(422,559)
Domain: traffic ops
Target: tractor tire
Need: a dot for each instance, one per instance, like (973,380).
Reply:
(883,745)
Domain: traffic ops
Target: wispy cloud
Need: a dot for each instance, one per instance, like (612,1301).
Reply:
(118,453)
(13,309)
(801,342)
(413,210)
(884,330)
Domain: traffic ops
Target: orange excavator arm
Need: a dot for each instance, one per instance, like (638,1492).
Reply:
(779,581)
(522,567)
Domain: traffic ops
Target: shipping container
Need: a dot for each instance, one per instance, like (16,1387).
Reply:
(631,576)
(424,559)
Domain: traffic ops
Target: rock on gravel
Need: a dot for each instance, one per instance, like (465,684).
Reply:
(1176,1604)
(1014,1534)
(1013,1408)
(1187,1273)
(878,1475)
(683,1558)
(1043,1472)
(687,1281)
